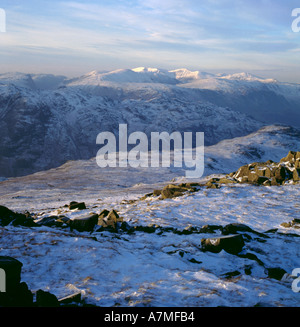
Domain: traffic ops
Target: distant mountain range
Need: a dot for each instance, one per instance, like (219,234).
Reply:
(46,120)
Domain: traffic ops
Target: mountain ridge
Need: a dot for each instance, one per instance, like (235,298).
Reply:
(47,120)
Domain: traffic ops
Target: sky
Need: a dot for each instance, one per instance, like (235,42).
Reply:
(72,38)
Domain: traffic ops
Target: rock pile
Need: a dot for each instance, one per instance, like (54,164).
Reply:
(271,173)
(16,219)
(267,173)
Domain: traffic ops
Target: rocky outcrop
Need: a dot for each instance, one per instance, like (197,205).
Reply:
(267,173)
(271,173)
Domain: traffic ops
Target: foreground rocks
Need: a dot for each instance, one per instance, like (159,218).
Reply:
(267,173)
(15,293)
(7,217)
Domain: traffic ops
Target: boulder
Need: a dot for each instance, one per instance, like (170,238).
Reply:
(226,181)
(171,191)
(234,228)
(13,292)
(109,219)
(157,192)
(85,223)
(274,182)
(51,221)
(7,216)
(296,175)
(210,229)
(212,184)
(12,268)
(275,273)
(23,220)
(242,172)
(232,244)
(46,299)
(77,205)
(291,157)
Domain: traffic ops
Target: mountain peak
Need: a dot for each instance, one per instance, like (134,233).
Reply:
(244,76)
(145,70)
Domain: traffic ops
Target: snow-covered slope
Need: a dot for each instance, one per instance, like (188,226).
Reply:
(161,268)
(83,178)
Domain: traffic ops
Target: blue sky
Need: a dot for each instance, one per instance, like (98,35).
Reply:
(75,37)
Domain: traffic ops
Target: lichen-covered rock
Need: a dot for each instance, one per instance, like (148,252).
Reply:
(109,219)
(270,173)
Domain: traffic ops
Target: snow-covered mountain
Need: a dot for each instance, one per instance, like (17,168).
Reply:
(46,120)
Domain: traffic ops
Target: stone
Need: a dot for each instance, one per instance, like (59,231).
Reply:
(267,183)
(210,229)
(253,177)
(275,273)
(212,184)
(49,222)
(46,299)
(290,157)
(274,182)
(7,216)
(232,244)
(23,220)
(103,213)
(286,225)
(171,191)
(236,227)
(12,268)
(268,172)
(157,192)
(21,296)
(84,224)
(72,298)
(280,174)
(109,219)
(146,229)
(226,181)
(243,171)
(77,205)
(296,175)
